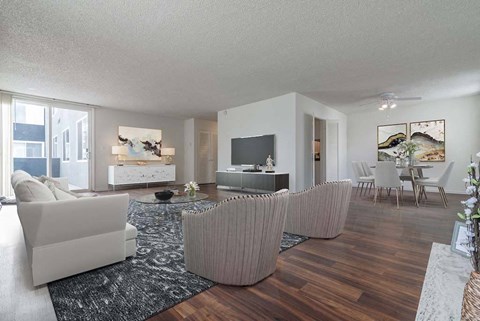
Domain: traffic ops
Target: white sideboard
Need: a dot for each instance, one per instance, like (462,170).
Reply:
(135,174)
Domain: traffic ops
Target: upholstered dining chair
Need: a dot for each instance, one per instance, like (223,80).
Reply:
(406,176)
(237,241)
(439,182)
(319,211)
(386,176)
(362,178)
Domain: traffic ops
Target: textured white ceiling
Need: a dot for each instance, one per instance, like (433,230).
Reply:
(193,58)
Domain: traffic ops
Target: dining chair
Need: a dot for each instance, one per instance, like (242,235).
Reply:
(439,182)
(386,176)
(361,178)
(405,175)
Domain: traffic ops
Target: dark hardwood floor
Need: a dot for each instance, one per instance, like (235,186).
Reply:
(373,271)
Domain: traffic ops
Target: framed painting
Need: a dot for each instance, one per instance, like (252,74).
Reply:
(459,243)
(430,138)
(142,143)
(388,139)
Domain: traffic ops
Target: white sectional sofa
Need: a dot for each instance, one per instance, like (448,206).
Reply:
(66,235)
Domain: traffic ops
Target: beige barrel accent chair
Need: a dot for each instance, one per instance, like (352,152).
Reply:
(237,241)
(319,211)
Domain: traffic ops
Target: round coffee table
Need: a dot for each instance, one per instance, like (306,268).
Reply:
(176,199)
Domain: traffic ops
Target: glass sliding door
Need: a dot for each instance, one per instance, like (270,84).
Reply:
(29,137)
(52,141)
(71,147)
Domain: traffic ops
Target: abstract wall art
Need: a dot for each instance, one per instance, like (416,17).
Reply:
(430,138)
(142,143)
(388,139)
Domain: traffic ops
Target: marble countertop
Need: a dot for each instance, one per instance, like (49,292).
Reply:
(442,292)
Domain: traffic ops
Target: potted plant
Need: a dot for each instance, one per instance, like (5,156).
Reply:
(407,147)
(471,215)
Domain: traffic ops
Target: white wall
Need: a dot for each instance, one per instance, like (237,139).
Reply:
(462,134)
(106,131)
(306,107)
(272,116)
(290,118)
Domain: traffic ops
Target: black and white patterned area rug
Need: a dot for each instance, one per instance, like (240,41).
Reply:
(141,286)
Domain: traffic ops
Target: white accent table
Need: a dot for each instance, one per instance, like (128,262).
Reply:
(136,174)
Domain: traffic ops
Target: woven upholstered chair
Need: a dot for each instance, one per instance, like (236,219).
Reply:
(237,241)
(319,211)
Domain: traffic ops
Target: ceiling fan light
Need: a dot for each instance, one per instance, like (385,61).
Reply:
(381,108)
(384,105)
(393,105)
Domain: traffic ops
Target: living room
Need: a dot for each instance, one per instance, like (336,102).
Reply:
(105,94)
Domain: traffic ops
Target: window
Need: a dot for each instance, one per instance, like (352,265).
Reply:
(23,149)
(54,111)
(82,139)
(66,145)
(25,113)
(55,147)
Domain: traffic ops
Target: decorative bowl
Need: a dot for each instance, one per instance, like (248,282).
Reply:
(164,195)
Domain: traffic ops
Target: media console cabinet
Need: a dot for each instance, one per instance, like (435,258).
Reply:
(261,181)
(136,174)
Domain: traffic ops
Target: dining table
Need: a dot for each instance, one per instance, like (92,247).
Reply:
(411,169)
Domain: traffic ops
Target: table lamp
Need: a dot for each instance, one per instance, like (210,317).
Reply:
(120,151)
(168,153)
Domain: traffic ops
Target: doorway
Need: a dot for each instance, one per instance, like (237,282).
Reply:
(320,168)
(325,149)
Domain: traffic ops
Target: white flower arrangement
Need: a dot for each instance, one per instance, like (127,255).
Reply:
(408,147)
(191,188)
(471,213)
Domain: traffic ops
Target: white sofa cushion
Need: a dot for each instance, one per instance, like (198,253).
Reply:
(19,176)
(60,195)
(31,190)
(130,232)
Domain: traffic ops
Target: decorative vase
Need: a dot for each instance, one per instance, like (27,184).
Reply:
(411,159)
(192,192)
(471,304)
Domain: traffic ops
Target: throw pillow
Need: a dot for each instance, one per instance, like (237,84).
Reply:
(30,190)
(59,194)
(57,184)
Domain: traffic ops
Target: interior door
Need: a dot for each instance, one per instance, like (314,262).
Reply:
(206,157)
(332,150)
(308,157)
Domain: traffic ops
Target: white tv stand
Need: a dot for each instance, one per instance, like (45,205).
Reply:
(258,181)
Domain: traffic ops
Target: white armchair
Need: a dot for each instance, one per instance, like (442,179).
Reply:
(66,237)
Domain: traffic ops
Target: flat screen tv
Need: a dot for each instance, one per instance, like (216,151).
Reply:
(252,150)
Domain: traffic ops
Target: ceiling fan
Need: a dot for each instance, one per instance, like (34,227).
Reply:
(389,100)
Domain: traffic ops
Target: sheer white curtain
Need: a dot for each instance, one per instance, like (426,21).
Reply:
(5,138)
